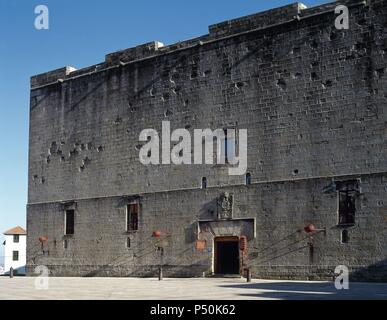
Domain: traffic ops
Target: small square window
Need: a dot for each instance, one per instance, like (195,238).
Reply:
(344,236)
(248,179)
(204,183)
(15,238)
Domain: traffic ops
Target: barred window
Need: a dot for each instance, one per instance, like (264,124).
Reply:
(347,207)
(132,212)
(347,192)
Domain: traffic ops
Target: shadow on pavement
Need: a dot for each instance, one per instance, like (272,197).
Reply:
(312,290)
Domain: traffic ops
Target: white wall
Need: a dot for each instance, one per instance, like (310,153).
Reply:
(11,246)
(2,239)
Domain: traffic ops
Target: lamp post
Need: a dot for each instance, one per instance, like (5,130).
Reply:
(243,248)
(161,263)
(160,247)
(42,241)
(311,229)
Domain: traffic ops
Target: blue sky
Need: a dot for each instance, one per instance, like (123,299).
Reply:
(80,34)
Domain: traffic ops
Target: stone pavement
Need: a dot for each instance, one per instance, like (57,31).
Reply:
(196,288)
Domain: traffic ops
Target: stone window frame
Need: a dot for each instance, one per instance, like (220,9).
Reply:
(355,192)
(137,202)
(65,221)
(66,206)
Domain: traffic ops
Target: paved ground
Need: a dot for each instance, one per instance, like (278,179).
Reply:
(138,288)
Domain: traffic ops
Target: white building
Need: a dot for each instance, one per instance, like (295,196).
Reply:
(15,250)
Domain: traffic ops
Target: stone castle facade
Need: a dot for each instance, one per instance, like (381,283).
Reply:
(313,99)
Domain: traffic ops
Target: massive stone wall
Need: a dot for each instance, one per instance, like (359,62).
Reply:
(280,247)
(311,97)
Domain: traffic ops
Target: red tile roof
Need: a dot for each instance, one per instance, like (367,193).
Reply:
(16,230)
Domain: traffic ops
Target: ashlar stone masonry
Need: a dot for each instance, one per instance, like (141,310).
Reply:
(313,99)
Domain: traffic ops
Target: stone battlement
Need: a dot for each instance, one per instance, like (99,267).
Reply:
(263,20)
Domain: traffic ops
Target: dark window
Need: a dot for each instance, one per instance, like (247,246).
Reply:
(15,238)
(69,222)
(204,183)
(248,178)
(225,146)
(347,207)
(344,236)
(132,217)
(15,255)
(347,192)
(65,244)
(128,243)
